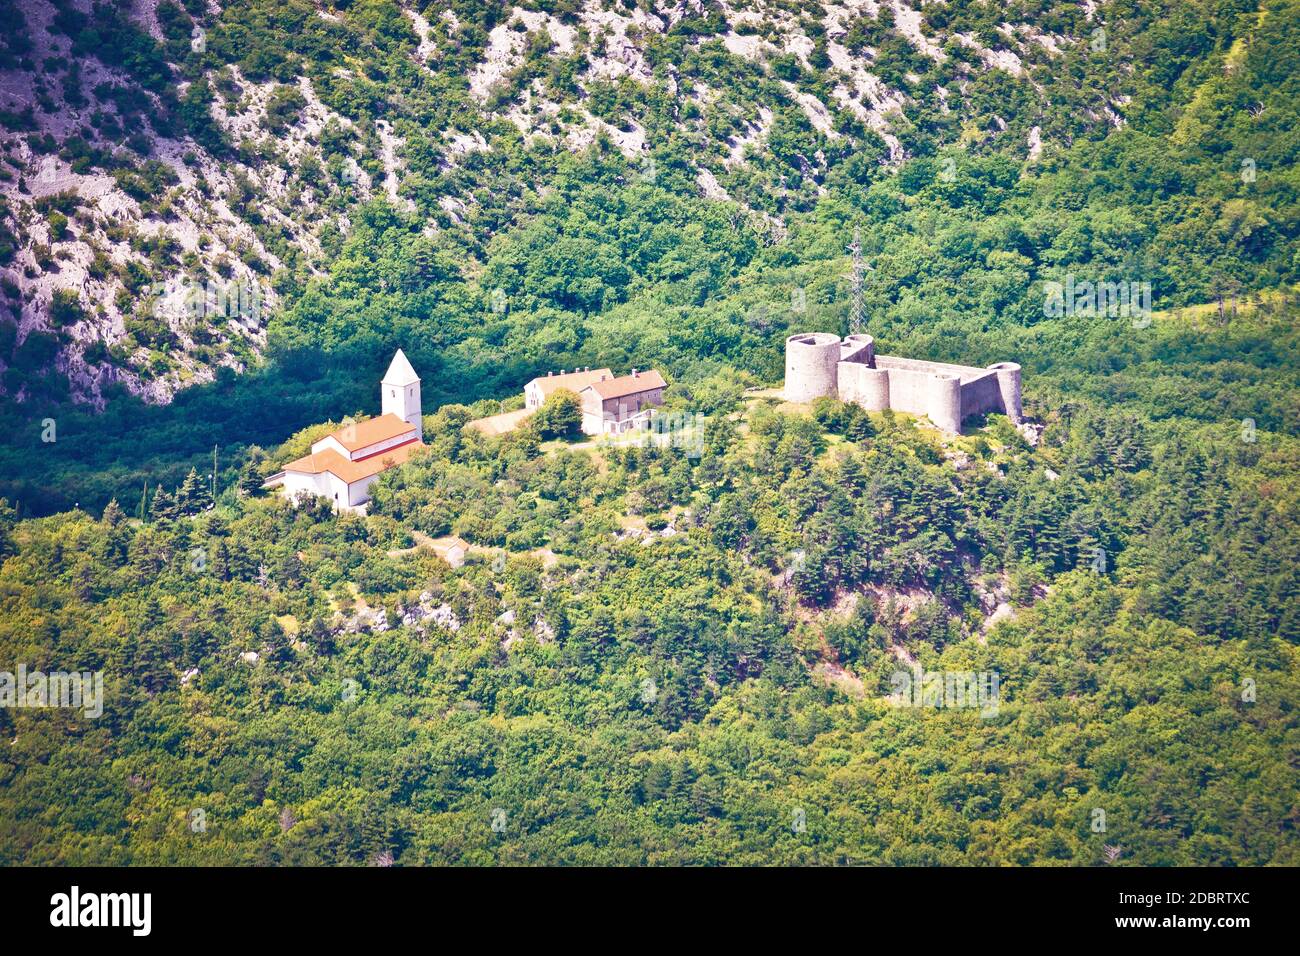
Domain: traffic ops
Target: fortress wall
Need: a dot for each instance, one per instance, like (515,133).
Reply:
(811,366)
(858,348)
(980,395)
(1008,377)
(923,392)
(847,382)
(864,385)
(945,402)
(963,372)
(910,390)
(818,364)
(873,389)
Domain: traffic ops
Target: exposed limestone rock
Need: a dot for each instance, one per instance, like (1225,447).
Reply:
(423,613)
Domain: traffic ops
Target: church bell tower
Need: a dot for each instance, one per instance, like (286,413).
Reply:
(400,392)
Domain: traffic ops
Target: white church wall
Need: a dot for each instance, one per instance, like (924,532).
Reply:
(336,489)
(375,448)
(359,491)
(324,485)
(331,443)
(295,483)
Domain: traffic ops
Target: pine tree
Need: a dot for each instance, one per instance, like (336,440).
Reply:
(8,519)
(203,498)
(113,514)
(150,667)
(852,478)
(679,482)
(118,536)
(191,495)
(295,572)
(163,506)
(277,647)
(221,561)
(83,579)
(320,636)
(250,479)
(859,427)
(198,644)
(151,615)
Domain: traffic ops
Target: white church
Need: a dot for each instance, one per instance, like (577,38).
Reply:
(344,464)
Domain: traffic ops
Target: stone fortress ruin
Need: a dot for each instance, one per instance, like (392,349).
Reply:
(821,365)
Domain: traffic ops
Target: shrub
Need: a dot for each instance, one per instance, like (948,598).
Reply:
(559,417)
(65,308)
(58,226)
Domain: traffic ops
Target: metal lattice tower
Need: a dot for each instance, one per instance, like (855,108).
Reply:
(857,312)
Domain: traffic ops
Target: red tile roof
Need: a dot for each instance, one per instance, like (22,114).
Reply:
(573,381)
(371,432)
(628,384)
(354,471)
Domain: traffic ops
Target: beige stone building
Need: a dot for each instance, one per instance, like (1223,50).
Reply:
(613,405)
(541,388)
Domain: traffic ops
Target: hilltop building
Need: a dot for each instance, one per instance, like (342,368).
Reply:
(610,404)
(400,393)
(540,389)
(819,364)
(345,463)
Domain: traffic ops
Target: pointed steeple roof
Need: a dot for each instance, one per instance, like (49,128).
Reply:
(400,371)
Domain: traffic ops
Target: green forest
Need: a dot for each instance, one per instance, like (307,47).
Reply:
(657,654)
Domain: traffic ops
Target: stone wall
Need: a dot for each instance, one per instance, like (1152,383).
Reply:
(858,348)
(1008,374)
(980,395)
(818,364)
(811,366)
(867,386)
(934,394)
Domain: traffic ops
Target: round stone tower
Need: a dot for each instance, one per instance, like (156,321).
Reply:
(1009,387)
(873,389)
(811,360)
(945,402)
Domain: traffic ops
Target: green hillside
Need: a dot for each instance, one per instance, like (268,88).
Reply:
(652,655)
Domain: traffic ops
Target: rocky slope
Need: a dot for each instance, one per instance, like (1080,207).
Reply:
(171,175)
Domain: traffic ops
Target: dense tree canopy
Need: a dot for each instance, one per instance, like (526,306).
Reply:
(665,653)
